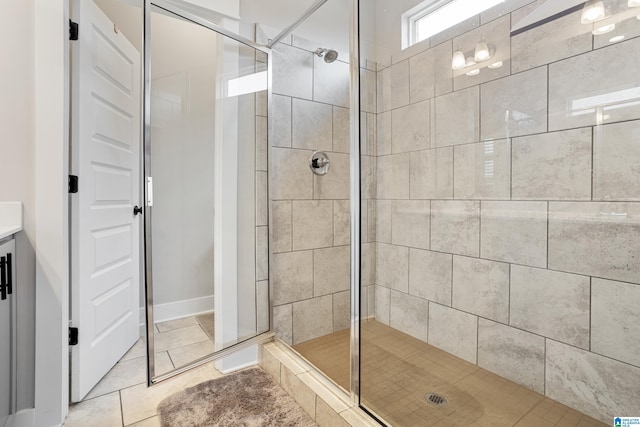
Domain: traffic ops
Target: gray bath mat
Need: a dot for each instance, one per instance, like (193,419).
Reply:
(248,398)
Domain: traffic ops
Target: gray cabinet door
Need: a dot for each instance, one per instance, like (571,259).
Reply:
(7,328)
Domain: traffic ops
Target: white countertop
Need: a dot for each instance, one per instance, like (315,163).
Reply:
(10,218)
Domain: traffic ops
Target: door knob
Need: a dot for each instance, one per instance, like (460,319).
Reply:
(137,210)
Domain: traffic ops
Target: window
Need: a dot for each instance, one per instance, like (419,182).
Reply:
(434,16)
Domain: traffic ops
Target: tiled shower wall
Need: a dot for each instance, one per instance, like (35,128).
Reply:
(507,216)
(310,253)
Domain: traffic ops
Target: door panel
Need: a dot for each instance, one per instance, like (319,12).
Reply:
(105,233)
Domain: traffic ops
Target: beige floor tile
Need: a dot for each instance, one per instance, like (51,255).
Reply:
(140,402)
(103,411)
(176,324)
(149,422)
(139,349)
(187,354)
(125,374)
(179,337)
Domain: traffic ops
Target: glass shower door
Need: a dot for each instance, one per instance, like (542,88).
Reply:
(206,176)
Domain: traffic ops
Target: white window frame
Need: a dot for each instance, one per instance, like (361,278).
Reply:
(411,17)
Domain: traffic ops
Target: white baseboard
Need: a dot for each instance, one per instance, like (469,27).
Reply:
(178,310)
(23,418)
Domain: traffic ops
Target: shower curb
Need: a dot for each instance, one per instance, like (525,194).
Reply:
(325,402)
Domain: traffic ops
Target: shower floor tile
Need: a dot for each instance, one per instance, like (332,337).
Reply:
(397,371)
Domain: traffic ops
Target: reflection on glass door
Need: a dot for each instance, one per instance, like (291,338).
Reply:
(206,169)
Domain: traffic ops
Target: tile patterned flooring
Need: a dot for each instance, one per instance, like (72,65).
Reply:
(122,398)
(398,370)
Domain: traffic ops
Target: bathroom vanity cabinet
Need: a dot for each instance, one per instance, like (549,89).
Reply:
(7,328)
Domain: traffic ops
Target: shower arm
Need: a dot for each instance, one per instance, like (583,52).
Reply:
(284,33)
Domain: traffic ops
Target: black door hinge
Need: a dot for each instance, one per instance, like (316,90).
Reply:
(73,183)
(73,30)
(73,336)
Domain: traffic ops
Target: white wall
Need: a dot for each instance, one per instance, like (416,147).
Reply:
(182,138)
(17,169)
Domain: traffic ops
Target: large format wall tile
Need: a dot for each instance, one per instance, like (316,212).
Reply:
(410,128)
(515,105)
(341,129)
(292,276)
(382,301)
(312,125)
(595,385)
(514,232)
(595,88)
(443,73)
(383,132)
(421,76)
(283,322)
(331,268)
(496,34)
(331,82)
(453,331)
(455,227)
(615,320)
(410,223)
(457,117)
(409,314)
(281,223)
(481,287)
(393,176)
(342,221)
(483,170)
(558,39)
(393,87)
(596,239)
(552,166)
(432,174)
(335,184)
(312,224)
(393,267)
(280,121)
(430,275)
(616,161)
(290,174)
(312,318)
(292,71)
(512,354)
(342,310)
(368,89)
(382,215)
(552,304)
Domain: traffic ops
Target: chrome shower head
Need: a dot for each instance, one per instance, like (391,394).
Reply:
(329,55)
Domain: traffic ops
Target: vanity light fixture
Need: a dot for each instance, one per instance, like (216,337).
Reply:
(496,65)
(471,62)
(458,62)
(616,39)
(482,52)
(593,11)
(604,29)
(634,3)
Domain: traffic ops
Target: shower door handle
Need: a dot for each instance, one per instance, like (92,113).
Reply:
(137,210)
(3,278)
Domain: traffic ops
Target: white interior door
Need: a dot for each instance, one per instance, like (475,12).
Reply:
(105,233)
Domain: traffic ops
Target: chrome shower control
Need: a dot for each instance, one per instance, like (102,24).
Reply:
(319,163)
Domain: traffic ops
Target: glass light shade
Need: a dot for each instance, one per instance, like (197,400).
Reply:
(593,10)
(496,65)
(604,29)
(616,39)
(633,3)
(482,52)
(473,72)
(458,62)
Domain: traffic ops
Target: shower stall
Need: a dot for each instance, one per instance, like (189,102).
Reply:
(471,256)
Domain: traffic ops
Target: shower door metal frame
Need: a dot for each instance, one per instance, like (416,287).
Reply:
(147,256)
(355,198)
